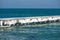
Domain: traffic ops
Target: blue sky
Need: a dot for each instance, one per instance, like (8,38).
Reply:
(29,3)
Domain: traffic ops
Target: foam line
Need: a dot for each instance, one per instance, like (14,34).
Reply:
(28,20)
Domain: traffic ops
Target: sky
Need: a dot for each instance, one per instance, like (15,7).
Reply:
(29,3)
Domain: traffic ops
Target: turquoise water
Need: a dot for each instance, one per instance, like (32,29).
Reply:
(28,12)
(47,32)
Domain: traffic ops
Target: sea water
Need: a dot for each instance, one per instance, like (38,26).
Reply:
(4,13)
(45,32)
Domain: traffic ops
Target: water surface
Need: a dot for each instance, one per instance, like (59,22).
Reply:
(47,32)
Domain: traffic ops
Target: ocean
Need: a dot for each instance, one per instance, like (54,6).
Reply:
(27,12)
(45,32)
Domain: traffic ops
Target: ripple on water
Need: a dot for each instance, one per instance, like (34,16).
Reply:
(49,32)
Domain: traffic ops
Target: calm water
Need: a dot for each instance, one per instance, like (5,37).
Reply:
(47,32)
(28,12)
